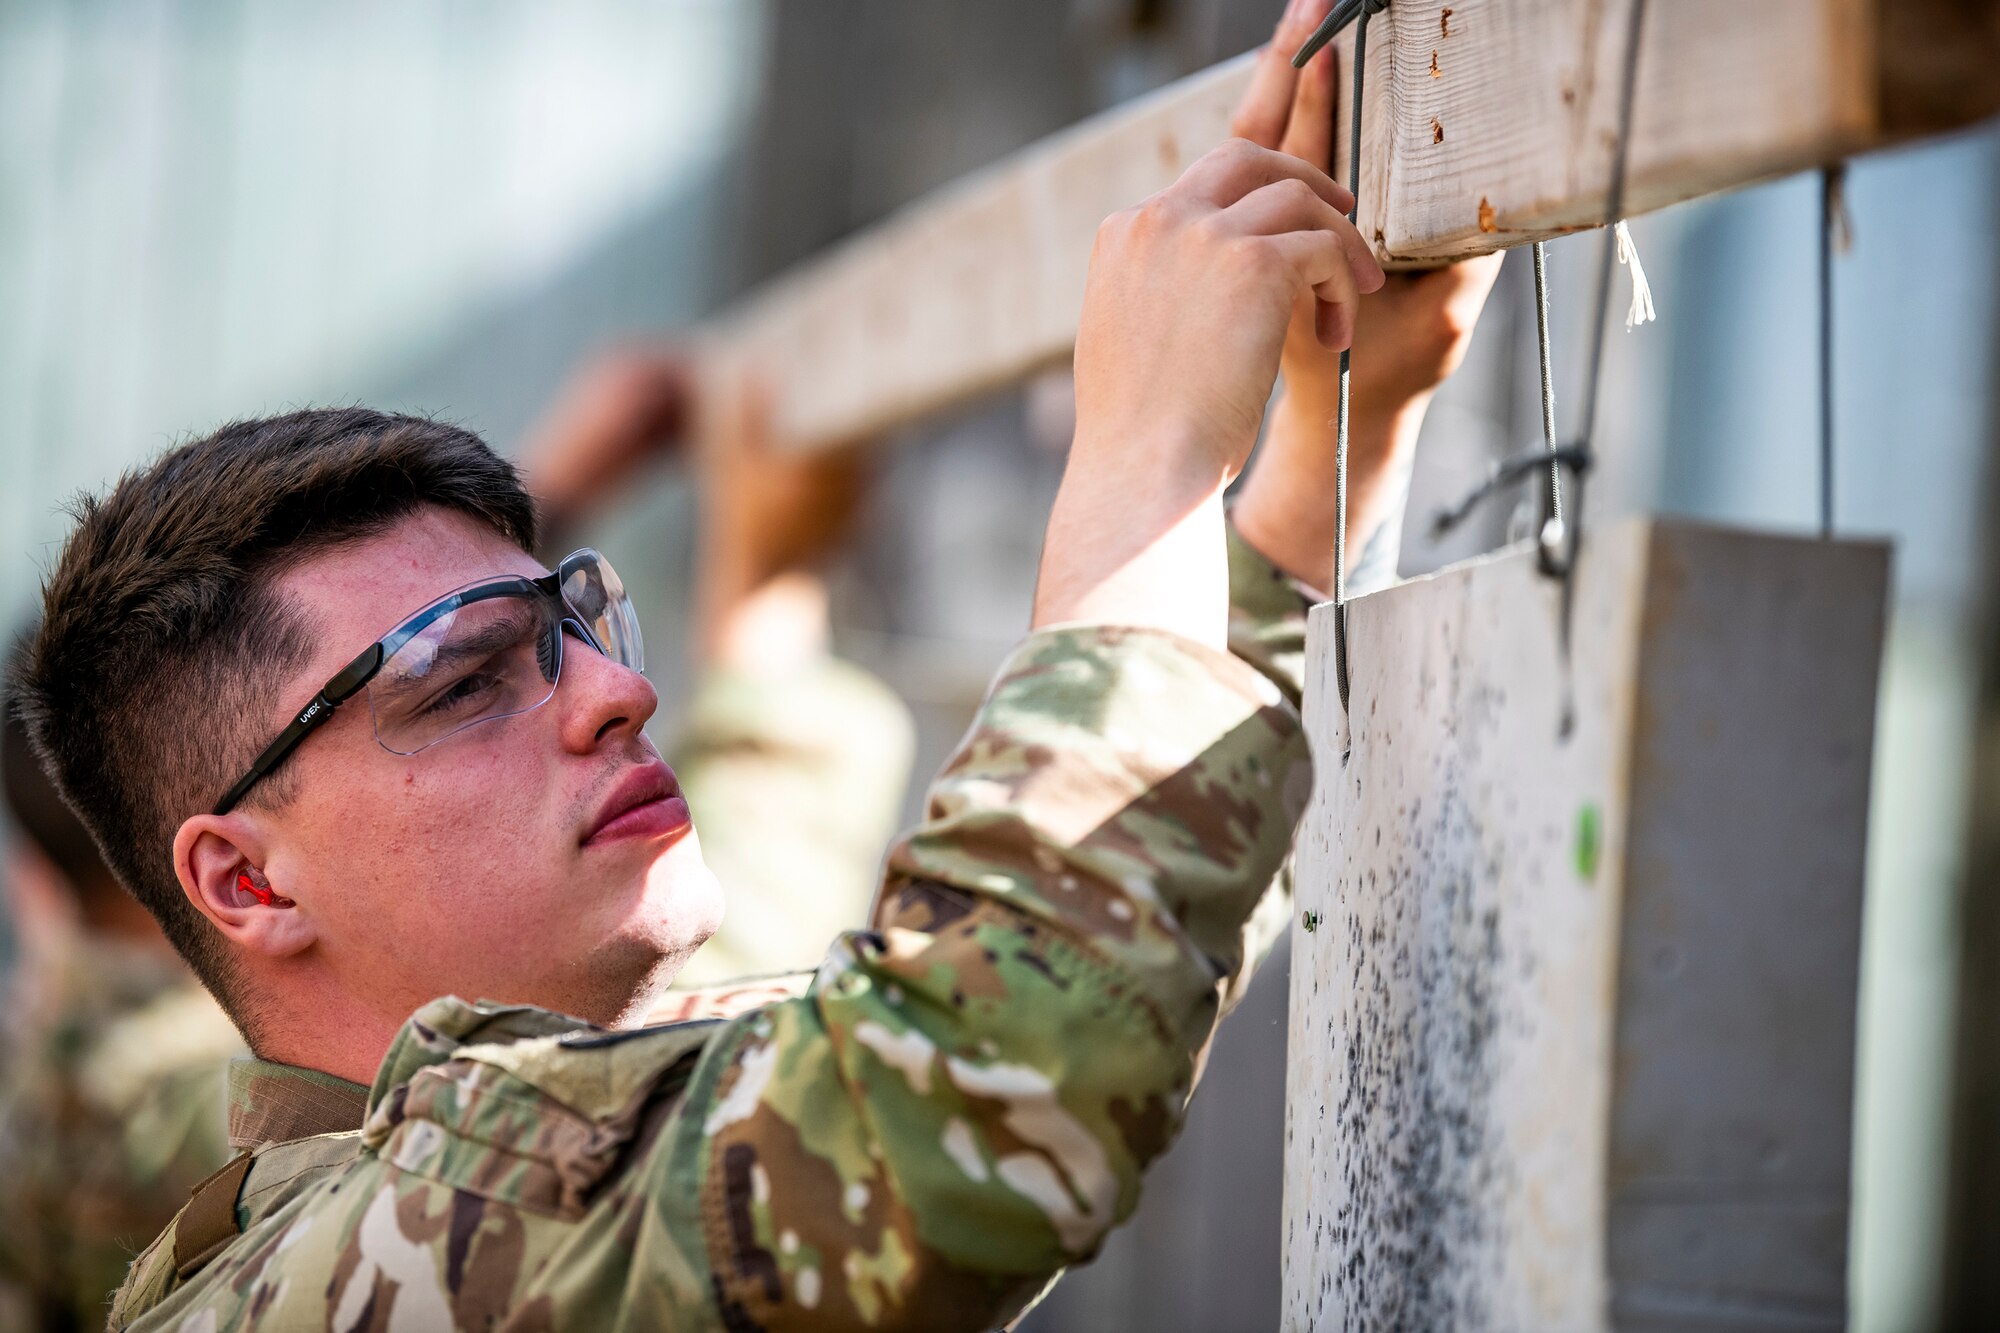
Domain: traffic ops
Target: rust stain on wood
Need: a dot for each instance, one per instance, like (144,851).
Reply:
(1486,222)
(1434,65)
(1444,24)
(1437,130)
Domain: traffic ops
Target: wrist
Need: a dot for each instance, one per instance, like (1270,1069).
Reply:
(1298,464)
(1287,510)
(1136,541)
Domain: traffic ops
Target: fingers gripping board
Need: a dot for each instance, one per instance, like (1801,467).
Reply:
(1572,1032)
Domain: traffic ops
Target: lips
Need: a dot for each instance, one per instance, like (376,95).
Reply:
(645,805)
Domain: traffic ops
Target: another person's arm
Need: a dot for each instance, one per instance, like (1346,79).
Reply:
(625,410)
(794,761)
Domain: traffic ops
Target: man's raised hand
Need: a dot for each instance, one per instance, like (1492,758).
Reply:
(1190,294)
(1184,315)
(1408,337)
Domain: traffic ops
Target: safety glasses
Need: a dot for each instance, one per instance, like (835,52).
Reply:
(490,650)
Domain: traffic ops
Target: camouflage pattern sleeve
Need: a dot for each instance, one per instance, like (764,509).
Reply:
(795,782)
(964,1101)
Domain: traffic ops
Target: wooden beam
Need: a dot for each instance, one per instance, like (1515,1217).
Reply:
(1489,123)
(1574,981)
(973,287)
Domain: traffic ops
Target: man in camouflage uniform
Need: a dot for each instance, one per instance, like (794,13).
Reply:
(960,1101)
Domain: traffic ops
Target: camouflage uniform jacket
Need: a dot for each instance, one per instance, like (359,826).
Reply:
(956,1106)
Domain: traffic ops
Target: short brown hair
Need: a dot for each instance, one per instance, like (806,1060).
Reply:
(149,686)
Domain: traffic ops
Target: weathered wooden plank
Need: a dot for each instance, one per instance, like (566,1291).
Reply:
(973,287)
(1489,123)
(1572,1034)
(1506,119)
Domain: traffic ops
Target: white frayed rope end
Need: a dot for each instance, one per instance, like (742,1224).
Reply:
(1838,219)
(1641,310)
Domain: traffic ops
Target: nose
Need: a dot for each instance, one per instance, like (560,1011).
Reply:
(599,699)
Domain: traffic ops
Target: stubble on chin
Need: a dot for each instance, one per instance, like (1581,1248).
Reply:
(682,909)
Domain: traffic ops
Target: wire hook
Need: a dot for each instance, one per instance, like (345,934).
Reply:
(1344,12)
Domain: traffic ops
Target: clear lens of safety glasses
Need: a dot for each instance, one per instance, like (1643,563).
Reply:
(494,649)
(595,595)
(480,659)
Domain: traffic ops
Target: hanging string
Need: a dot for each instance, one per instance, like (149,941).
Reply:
(1641,310)
(1834,233)
(1343,13)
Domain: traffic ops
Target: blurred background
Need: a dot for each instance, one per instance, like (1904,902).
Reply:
(214,208)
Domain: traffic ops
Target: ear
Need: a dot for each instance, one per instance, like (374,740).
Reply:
(211,854)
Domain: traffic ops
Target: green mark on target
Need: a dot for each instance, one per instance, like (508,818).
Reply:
(1589,841)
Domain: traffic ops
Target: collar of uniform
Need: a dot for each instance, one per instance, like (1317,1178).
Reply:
(434,1033)
(274,1103)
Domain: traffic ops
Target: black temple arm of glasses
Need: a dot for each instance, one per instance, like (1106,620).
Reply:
(332,695)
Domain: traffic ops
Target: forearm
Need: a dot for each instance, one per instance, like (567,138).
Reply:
(794,763)
(1287,509)
(624,407)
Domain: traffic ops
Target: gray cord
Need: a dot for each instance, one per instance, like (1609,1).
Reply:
(1507,471)
(1552,500)
(1504,473)
(1561,540)
(1829,208)
(1342,14)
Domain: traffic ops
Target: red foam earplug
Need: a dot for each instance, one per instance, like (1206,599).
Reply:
(261,894)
